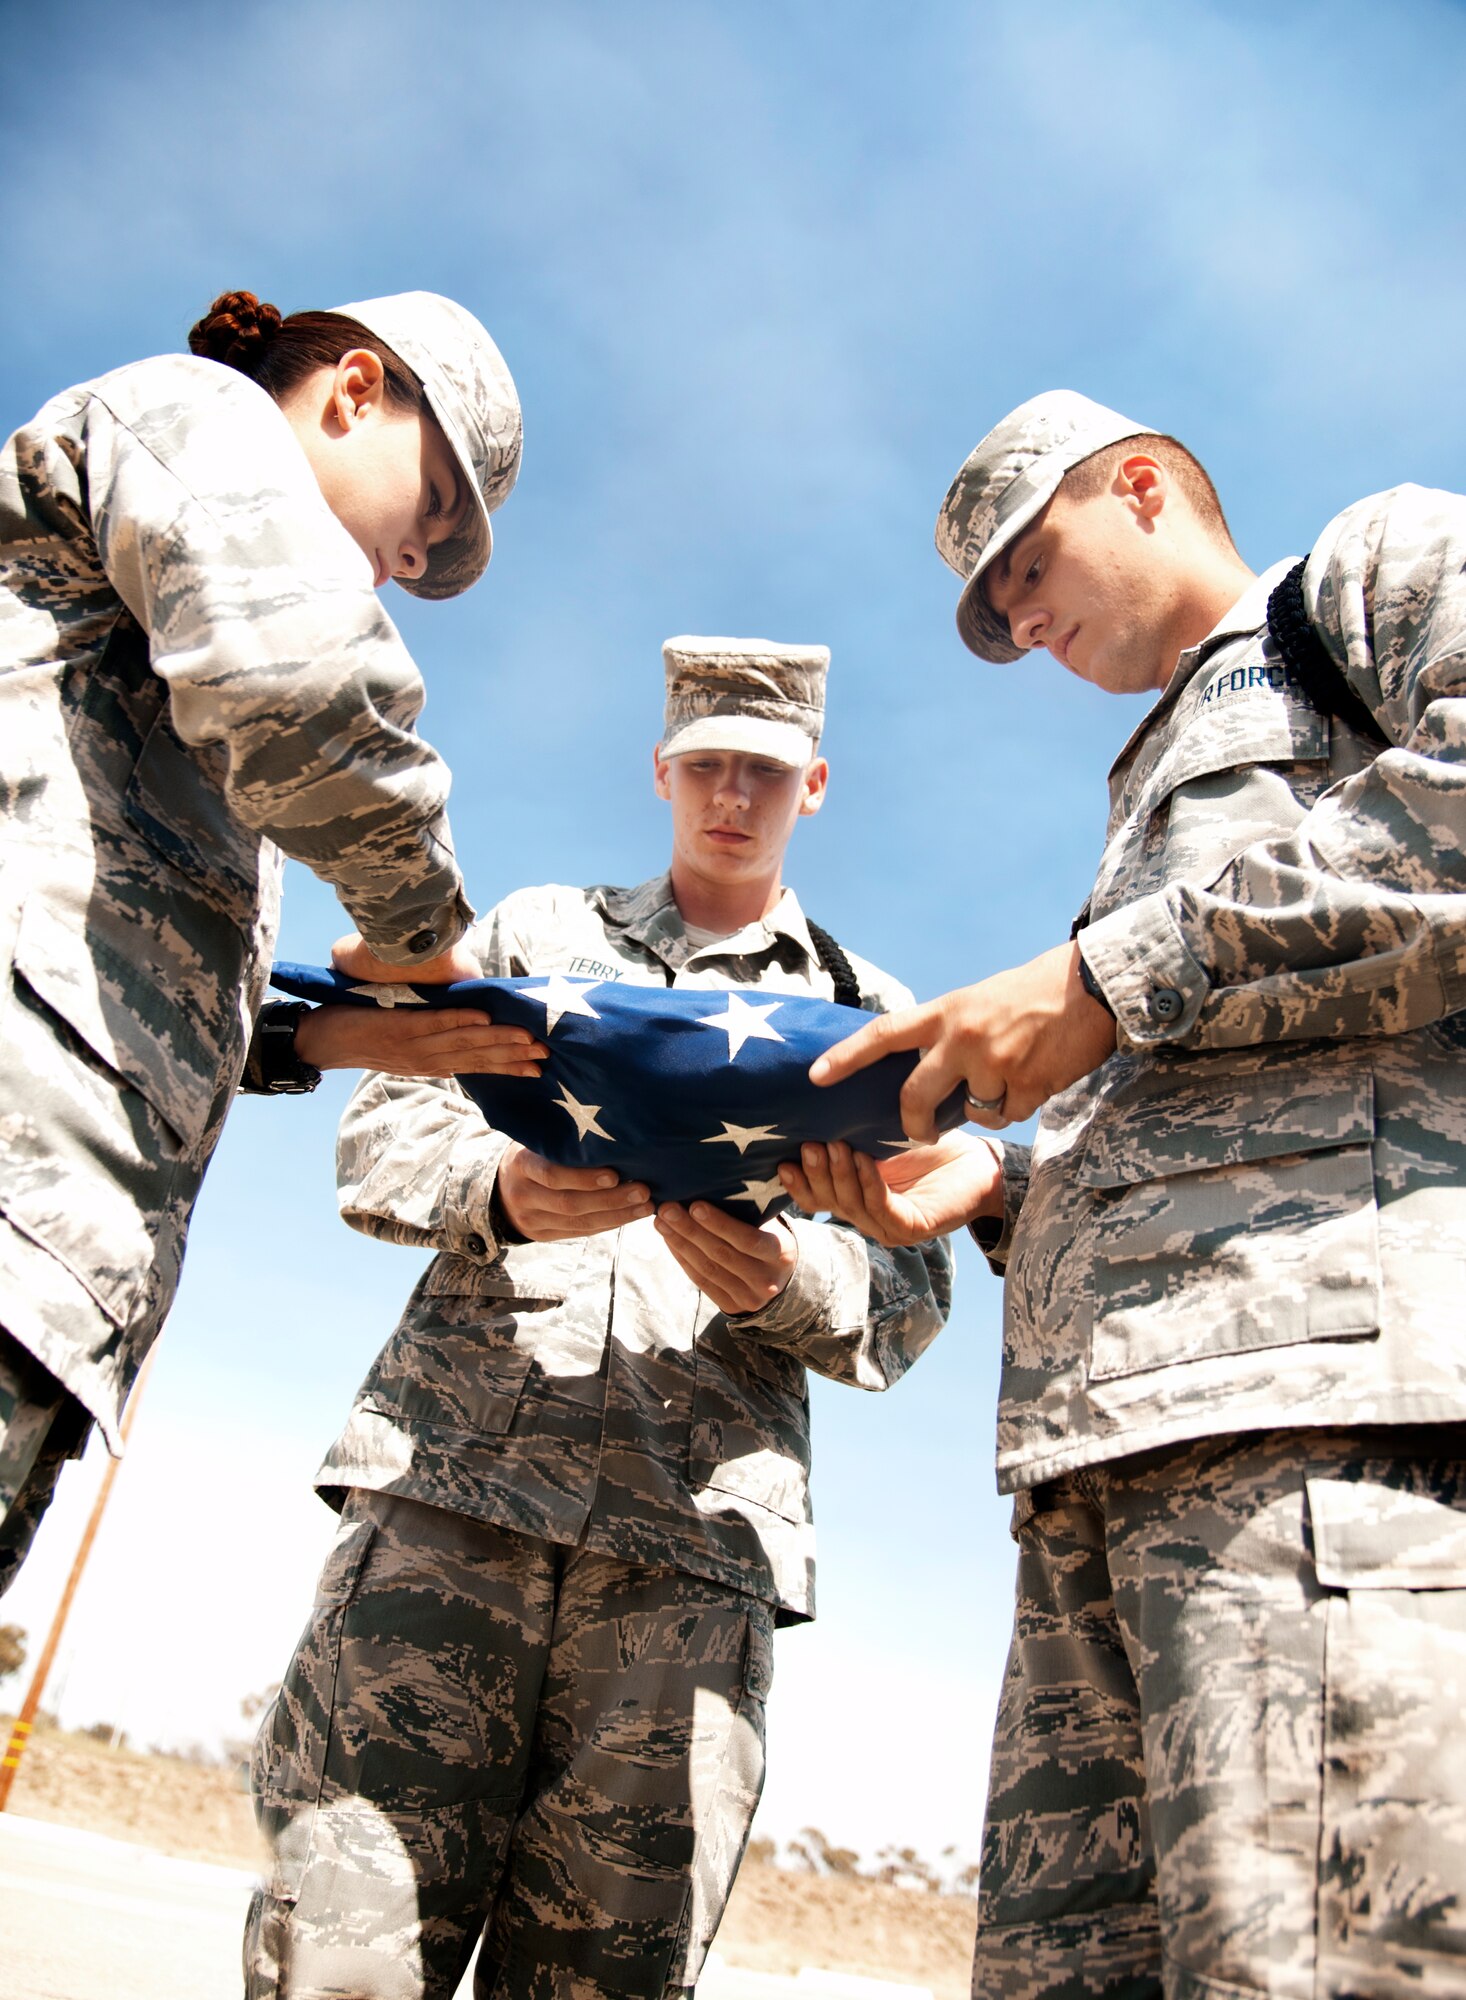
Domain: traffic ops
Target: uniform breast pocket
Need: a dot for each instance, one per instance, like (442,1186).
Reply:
(1241,768)
(1237,1213)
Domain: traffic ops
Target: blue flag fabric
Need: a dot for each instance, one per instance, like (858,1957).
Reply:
(699,1094)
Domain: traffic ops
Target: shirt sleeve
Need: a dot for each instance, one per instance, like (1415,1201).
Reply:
(416,1160)
(993,1234)
(853,1310)
(275,651)
(1354,923)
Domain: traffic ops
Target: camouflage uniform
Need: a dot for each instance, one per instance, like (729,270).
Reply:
(581,1412)
(196,678)
(1232,1400)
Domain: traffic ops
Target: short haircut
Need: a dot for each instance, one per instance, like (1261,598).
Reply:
(1093,475)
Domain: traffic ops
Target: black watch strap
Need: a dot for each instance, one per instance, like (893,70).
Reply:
(1092,986)
(272,1068)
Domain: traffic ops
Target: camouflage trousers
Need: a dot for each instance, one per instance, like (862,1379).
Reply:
(41,1426)
(1229,1756)
(484,1733)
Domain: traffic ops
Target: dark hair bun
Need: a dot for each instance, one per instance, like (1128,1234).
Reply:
(237,329)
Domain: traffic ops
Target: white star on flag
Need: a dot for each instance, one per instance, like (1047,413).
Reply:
(585,1115)
(742,1136)
(743,1023)
(558,996)
(391,996)
(761,1193)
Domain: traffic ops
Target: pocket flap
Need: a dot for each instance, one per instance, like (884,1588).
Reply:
(524,1272)
(111,1002)
(1369,1535)
(1246,715)
(1168,1120)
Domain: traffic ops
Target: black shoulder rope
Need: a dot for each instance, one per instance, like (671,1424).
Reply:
(1309,660)
(847,986)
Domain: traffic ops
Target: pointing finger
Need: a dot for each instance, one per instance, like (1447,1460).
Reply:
(907,1028)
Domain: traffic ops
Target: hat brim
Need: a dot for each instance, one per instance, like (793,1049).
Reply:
(985,631)
(453,566)
(745,736)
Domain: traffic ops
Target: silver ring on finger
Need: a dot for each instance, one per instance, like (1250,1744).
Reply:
(987,1107)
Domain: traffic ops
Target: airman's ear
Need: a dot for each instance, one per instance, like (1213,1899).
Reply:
(816,780)
(1143,481)
(358,388)
(662,770)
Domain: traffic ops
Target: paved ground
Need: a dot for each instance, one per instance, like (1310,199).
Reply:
(87,1918)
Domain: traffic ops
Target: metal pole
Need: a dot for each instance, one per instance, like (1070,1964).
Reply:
(21,1730)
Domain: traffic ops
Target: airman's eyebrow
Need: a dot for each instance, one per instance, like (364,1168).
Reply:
(1016,550)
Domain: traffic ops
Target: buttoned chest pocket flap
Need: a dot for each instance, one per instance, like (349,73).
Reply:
(472,1331)
(1236,1213)
(749,1434)
(1258,725)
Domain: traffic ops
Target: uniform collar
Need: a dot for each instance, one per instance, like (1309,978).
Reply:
(1247,615)
(649,914)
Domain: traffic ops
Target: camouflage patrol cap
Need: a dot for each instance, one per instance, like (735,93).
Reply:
(752,696)
(1006,483)
(472,395)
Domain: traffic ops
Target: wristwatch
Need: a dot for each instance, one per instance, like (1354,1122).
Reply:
(1092,986)
(272,1067)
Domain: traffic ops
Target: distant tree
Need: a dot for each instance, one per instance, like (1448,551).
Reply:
(818,1853)
(762,1850)
(12,1649)
(905,1869)
(105,1732)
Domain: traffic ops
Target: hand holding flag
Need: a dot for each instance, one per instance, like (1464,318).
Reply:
(1008,1043)
(697,1094)
(919,1193)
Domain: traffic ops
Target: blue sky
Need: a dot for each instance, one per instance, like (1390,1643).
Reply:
(763,274)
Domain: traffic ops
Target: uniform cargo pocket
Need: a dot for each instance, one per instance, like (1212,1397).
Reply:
(1390,1551)
(1272,1241)
(455,1365)
(126,1018)
(288,1765)
(93,1172)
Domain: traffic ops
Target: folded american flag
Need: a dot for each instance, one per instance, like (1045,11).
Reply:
(699,1094)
